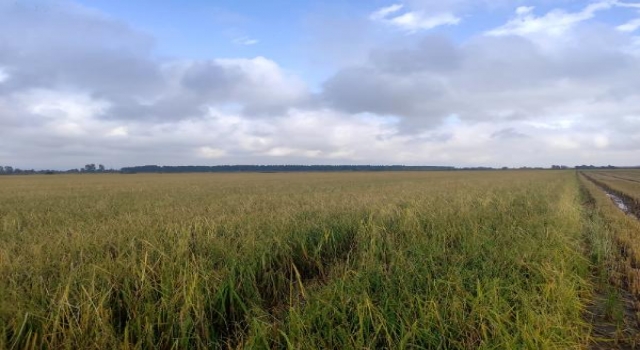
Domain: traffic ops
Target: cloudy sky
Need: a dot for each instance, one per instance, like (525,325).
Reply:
(416,82)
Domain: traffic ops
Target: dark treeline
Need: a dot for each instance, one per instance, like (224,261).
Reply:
(93,168)
(327,168)
(581,167)
(89,168)
(275,168)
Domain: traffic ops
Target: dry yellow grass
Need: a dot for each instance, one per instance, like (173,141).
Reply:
(362,260)
(620,253)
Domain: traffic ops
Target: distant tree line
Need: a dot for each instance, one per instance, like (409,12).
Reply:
(600,167)
(276,168)
(99,168)
(89,168)
(328,168)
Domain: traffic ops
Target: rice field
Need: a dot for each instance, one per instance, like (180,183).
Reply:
(614,207)
(407,260)
(623,182)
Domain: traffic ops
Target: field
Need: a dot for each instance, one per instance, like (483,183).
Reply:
(624,228)
(413,260)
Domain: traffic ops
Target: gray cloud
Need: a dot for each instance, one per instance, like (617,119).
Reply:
(492,78)
(358,90)
(60,43)
(81,87)
(64,46)
(432,53)
(508,133)
(211,78)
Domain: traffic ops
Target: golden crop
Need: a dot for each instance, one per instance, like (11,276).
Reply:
(496,259)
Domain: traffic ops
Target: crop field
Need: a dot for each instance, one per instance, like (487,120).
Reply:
(617,250)
(406,260)
(624,182)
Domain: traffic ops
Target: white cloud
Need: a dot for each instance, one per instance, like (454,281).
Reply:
(563,142)
(630,26)
(246,41)
(634,47)
(266,81)
(383,12)
(601,141)
(4,75)
(524,10)
(481,100)
(554,23)
(257,86)
(211,153)
(627,4)
(511,92)
(413,21)
(288,152)
(120,131)
(55,103)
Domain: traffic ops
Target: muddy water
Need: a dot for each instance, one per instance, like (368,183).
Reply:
(619,202)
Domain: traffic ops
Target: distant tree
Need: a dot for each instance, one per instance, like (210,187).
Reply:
(8,170)
(90,168)
(101,168)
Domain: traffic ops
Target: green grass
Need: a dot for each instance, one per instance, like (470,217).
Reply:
(366,260)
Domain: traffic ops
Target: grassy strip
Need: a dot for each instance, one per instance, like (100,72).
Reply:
(615,254)
(626,189)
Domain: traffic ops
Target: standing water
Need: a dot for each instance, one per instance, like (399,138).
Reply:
(619,202)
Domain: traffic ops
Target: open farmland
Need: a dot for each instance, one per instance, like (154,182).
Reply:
(625,182)
(507,259)
(621,222)
(613,235)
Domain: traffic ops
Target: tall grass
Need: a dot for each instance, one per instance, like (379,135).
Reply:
(388,260)
(624,230)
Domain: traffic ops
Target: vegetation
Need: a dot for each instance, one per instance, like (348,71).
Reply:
(164,169)
(276,168)
(617,256)
(89,168)
(312,260)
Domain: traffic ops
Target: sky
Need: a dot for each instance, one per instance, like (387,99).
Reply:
(417,82)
